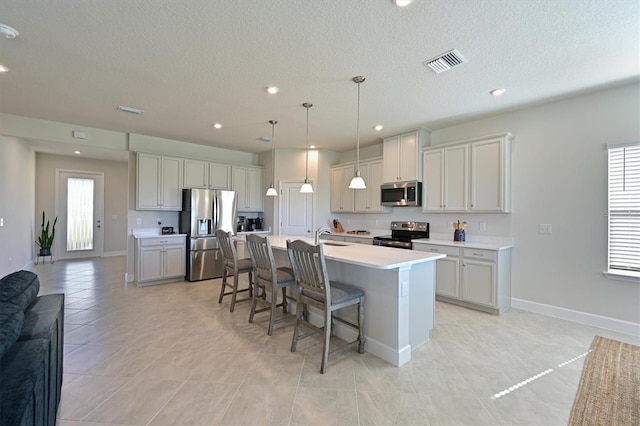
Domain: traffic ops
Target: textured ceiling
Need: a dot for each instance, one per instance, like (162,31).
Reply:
(190,63)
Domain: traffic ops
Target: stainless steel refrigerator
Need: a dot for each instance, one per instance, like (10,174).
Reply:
(204,211)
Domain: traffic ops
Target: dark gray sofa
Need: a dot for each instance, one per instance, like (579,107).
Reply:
(31,349)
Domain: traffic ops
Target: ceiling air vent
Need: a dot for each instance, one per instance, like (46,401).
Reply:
(445,61)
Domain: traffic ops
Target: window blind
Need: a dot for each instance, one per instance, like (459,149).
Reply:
(624,208)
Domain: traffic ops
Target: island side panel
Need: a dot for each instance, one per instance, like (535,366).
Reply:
(422,303)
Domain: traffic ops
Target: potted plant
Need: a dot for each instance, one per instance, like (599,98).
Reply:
(45,240)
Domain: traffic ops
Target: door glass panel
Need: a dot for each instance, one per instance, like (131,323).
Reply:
(80,194)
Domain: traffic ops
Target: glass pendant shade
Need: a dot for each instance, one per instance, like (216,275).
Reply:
(271,192)
(357,182)
(306,187)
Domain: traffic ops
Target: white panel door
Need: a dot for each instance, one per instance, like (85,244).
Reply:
(296,210)
(80,228)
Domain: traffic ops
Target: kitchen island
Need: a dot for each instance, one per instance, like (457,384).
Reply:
(399,293)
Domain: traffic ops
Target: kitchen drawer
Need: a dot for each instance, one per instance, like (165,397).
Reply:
(449,251)
(159,241)
(488,255)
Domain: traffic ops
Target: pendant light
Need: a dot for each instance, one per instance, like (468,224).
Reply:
(357,182)
(271,192)
(306,186)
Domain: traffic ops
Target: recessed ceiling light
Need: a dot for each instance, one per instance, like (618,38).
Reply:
(272,90)
(217,126)
(76,152)
(312,147)
(8,32)
(403,3)
(378,127)
(3,68)
(498,92)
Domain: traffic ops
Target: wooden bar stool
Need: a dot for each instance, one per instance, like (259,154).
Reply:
(266,276)
(233,266)
(315,289)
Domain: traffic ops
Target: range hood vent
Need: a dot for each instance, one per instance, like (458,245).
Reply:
(445,61)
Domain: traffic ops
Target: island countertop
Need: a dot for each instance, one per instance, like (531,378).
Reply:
(376,257)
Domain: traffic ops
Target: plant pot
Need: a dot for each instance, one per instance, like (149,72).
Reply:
(45,252)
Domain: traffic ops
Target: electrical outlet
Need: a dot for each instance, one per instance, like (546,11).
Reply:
(545,228)
(449,225)
(139,221)
(482,226)
(404,289)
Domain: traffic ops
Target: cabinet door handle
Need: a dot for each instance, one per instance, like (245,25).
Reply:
(434,249)
(478,254)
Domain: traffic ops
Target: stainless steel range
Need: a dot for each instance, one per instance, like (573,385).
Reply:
(402,233)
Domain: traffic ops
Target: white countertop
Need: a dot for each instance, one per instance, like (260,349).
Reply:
(487,245)
(155,235)
(363,255)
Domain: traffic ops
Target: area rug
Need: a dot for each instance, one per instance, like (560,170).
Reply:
(609,389)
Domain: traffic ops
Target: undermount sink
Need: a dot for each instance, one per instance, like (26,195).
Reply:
(333,243)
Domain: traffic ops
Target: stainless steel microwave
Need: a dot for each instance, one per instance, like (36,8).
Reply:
(401,194)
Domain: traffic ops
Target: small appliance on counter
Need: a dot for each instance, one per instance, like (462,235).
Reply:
(258,224)
(254,224)
(167,230)
(242,224)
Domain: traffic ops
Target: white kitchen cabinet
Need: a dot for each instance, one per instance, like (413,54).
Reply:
(368,200)
(160,259)
(474,278)
(207,175)
(342,199)
(158,182)
(491,175)
(247,182)
(468,176)
(345,200)
(401,156)
(445,179)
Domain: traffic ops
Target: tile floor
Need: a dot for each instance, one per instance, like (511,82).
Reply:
(171,355)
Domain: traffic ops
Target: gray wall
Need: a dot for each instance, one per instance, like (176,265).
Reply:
(115,194)
(17,195)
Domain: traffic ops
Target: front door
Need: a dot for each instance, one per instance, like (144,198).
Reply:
(296,211)
(80,212)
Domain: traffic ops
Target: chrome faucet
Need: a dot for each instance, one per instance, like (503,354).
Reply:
(320,231)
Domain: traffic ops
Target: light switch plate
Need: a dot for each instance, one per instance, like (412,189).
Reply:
(545,228)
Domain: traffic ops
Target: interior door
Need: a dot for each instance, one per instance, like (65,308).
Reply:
(80,212)
(296,210)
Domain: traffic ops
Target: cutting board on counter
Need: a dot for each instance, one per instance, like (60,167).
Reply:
(337,226)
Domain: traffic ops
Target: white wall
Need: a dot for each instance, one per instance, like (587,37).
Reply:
(17,186)
(559,177)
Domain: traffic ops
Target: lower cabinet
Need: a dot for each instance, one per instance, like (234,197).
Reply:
(348,239)
(475,278)
(160,260)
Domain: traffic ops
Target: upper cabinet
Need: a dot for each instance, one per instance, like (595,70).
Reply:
(445,179)
(401,156)
(207,175)
(368,200)
(247,182)
(345,200)
(468,176)
(159,182)
(342,198)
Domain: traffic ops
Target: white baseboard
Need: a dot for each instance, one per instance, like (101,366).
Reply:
(619,326)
